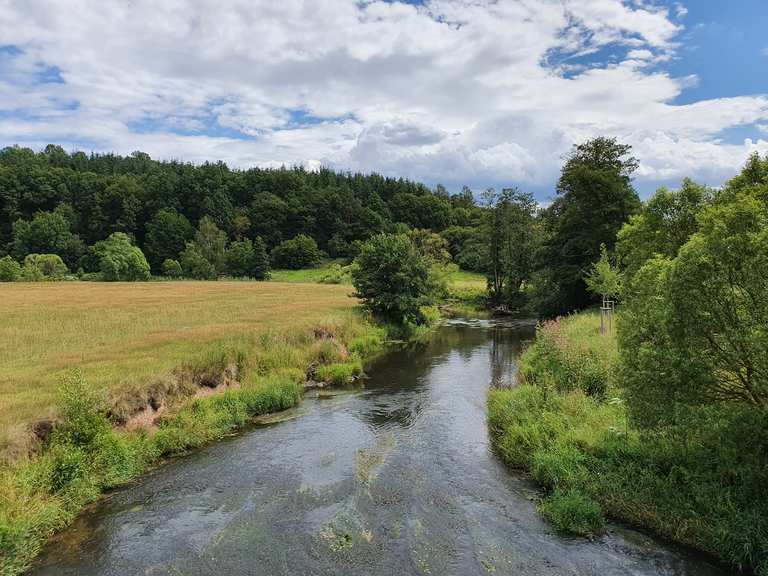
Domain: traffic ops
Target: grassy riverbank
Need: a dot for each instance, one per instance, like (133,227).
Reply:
(700,482)
(161,368)
(127,336)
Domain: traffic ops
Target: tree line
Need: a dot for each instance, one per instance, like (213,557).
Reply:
(206,219)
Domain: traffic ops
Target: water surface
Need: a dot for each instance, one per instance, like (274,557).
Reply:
(395,478)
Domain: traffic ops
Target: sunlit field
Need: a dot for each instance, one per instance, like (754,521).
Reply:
(125,334)
(460,279)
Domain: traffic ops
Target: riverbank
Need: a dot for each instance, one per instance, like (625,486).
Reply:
(700,483)
(101,437)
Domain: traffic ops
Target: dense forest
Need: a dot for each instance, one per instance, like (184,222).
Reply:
(53,202)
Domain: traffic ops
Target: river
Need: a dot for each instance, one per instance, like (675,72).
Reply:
(394,478)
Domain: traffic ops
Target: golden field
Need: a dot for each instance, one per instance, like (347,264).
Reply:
(126,334)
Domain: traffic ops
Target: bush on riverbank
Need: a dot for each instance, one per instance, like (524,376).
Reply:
(693,482)
(85,455)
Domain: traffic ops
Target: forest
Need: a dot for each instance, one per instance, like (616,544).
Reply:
(202,216)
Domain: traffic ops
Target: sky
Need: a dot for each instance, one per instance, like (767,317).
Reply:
(482,93)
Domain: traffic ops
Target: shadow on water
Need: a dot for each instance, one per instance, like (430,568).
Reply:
(395,478)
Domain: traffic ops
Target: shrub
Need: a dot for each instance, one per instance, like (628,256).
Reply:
(10,270)
(38,267)
(392,279)
(172,268)
(194,264)
(80,408)
(119,260)
(336,274)
(247,259)
(296,253)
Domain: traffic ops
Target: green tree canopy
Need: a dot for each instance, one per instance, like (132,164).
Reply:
(119,260)
(195,265)
(248,259)
(167,235)
(665,222)
(603,278)
(594,199)
(47,233)
(695,327)
(393,279)
(510,238)
(211,243)
(296,253)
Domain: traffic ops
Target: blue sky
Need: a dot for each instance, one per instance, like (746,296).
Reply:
(450,91)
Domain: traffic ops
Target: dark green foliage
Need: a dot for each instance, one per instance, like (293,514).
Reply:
(167,235)
(172,268)
(510,239)
(296,253)
(246,259)
(119,260)
(39,267)
(194,265)
(156,203)
(393,279)
(10,270)
(594,199)
(46,233)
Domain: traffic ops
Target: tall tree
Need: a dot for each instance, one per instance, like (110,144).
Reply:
(594,199)
(510,238)
(212,243)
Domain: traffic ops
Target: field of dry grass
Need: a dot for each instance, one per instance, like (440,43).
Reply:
(126,334)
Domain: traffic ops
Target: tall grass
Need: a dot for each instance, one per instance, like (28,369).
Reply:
(700,482)
(85,454)
(127,336)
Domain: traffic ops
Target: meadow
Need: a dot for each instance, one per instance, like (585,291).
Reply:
(125,335)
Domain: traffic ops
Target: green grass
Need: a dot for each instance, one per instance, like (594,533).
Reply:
(128,338)
(700,483)
(308,275)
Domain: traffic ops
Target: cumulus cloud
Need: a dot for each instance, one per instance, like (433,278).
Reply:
(458,91)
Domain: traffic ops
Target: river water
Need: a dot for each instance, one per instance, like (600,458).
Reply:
(395,478)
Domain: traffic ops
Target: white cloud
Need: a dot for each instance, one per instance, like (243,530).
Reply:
(454,91)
